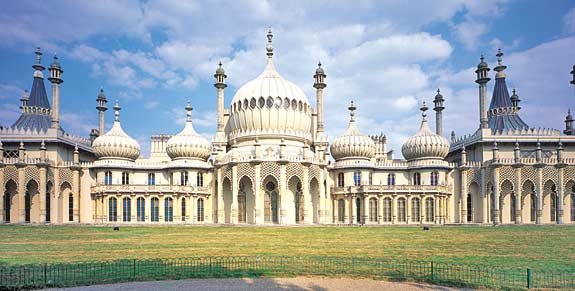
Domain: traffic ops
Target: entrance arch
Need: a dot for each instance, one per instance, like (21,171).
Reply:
(228,198)
(10,199)
(271,200)
(295,200)
(246,201)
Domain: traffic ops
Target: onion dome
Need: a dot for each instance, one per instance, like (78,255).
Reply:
(319,70)
(425,143)
(188,144)
(116,144)
(352,144)
(220,69)
(270,106)
(482,64)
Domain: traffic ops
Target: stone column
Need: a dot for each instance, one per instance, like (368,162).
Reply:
(106,212)
(148,206)
(366,210)
(484,203)
(437,209)
(76,193)
(235,190)
(21,193)
(463,197)
(353,209)
(495,215)
(133,209)
(258,194)
(559,195)
(407,209)
(283,194)
(119,208)
(518,192)
(539,195)
(220,197)
(161,209)
(394,209)
(42,193)
(346,209)
(323,196)
(193,208)
(56,199)
(177,208)
(307,206)
(380,209)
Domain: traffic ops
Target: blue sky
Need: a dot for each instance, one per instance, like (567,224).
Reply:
(385,55)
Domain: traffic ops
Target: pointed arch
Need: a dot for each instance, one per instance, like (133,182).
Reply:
(472,201)
(506,202)
(10,201)
(315,197)
(295,200)
(528,202)
(271,199)
(32,202)
(246,200)
(550,201)
(227,199)
(48,200)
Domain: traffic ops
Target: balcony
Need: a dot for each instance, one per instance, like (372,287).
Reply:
(393,189)
(152,189)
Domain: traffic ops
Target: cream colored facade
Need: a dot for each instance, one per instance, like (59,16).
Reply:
(270,162)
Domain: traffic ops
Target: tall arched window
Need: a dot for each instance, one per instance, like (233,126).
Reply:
(357,178)
(183,178)
(200,209)
(429,210)
(390,179)
(553,207)
(370,182)
(125,178)
(151,179)
(271,203)
(200,179)
(184,209)
(469,208)
(127,209)
(416,179)
(70,207)
(168,209)
(112,209)
(387,210)
(401,210)
(155,210)
(340,210)
(108,178)
(373,210)
(340,180)
(434,178)
(415,210)
(141,209)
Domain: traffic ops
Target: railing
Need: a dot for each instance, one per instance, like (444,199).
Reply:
(150,188)
(393,189)
(13,277)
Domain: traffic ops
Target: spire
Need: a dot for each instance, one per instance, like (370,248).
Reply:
(117,109)
(189,109)
(351,109)
(269,47)
(38,65)
(500,67)
(423,109)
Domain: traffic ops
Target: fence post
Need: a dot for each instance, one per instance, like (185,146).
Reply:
(45,280)
(432,273)
(529,278)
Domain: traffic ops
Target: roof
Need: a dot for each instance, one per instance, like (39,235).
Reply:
(507,118)
(33,121)
(38,97)
(36,119)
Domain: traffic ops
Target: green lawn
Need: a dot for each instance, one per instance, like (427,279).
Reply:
(540,247)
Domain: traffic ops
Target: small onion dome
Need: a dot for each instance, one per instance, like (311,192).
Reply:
(220,70)
(352,144)
(188,144)
(116,144)
(425,143)
(319,70)
(482,64)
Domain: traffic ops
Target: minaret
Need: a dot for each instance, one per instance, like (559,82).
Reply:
(569,124)
(56,79)
(220,85)
(438,101)
(515,100)
(319,85)
(102,107)
(24,100)
(482,79)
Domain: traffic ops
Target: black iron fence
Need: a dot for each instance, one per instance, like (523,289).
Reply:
(13,277)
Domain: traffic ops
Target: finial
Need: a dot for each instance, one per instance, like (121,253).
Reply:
(351,109)
(423,110)
(43,145)
(513,91)
(76,148)
(482,58)
(319,63)
(516,144)
(189,109)
(499,55)
(560,145)
(438,91)
(38,55)
(21,145)
(117,109)
(538,145)
(495,145)
(269,46)
(463,148)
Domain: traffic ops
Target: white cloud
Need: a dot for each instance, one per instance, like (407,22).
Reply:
(405,103)
(8,114)
(569,21)
(469,33)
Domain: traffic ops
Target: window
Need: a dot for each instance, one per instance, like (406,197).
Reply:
(168,210)
(112,209)
(155,210)
(183,209)
(373,210)
(470,208)
(387,210)
(340,210)
(370,182)
(200,210)
(151,179)
(126,209)
(340,180)
(184,178)
(357,178)
(358,210)
(434,178)
(141,209)
(429,210)
(200,179)
(390,179)
(125,178)
(401,210)
(416,179)
(415,210)
(70,207)
(108,178)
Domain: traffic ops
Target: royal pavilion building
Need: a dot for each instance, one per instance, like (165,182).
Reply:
(270,162)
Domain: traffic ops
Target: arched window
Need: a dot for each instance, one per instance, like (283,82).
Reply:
(141,209)
(373,210)
(127,209)
(434,178)
(340,180)
(357,178)
(415,210)
(533,212)
(370,182)
(112,209)
(200,210)
(184,209)
(340,210)
(553,207)
(151,179)
(108,178)
(358,210)
(271,203)
(168,209)
(387,210)
(125,178)
(390,179)
(469,208)
(401,209)
(183,178)
(155,210)
(200,179)
(429,209)
(416,179)
(70,207)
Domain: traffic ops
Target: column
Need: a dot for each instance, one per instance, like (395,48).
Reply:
(559,195)
(148,206)
(55,203)
(495,215)
(484,193)
(407,209)
(42,193)
(258,195)
(194,208)
(119,208)
(307,207)
(76,194)
(283,194)
(177,208)
(335,211)
(2,191)
(134,209)
(353,210)
(346,209)
(220,197)
(463,197)
(517,190)
(539,195)
(393,209)
(21,192)
(323,196)
(161,209)
(106,212)
(235,190)
(437,209)
(366,210)
(380,209)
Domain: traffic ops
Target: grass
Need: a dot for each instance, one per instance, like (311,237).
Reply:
(546,248)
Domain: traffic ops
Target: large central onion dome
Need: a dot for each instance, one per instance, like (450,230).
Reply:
(116,144)
(188,144)
(270,106)
(425,143)
(352,144)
